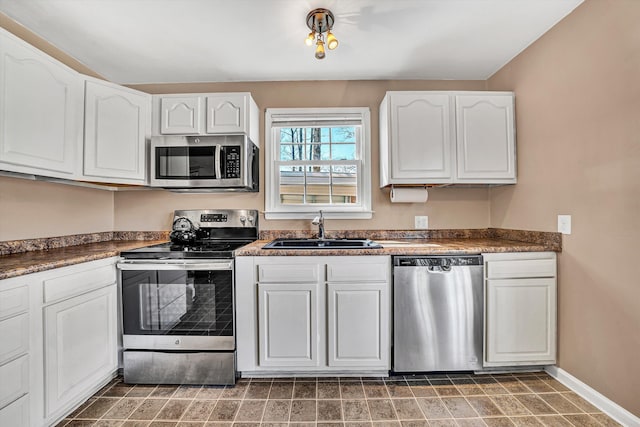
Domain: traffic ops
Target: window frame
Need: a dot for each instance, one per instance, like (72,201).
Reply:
(330,116)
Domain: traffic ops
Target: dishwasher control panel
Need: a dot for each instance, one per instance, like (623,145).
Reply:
(437,261)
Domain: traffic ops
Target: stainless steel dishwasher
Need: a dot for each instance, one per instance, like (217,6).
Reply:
(438,312)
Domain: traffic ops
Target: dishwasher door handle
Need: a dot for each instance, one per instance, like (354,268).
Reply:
(439,269)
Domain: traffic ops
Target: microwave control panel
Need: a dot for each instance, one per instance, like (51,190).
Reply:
(232,161)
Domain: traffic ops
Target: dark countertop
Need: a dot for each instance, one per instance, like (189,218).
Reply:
(22,263)
(407,247)
(394,242)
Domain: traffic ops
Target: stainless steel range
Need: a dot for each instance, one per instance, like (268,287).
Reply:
(178,298)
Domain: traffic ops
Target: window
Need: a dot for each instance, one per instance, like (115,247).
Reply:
(317,159)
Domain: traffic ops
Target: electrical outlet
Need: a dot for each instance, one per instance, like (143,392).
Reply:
(421,222)
(564,224)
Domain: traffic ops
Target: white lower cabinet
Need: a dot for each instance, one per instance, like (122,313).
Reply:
(313,314)
(520,309)
(357,325)
(60,331)
(80,345)
(288,324)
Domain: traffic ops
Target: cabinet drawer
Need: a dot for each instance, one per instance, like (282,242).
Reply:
(289,273)
(357,272)
(14,336)
(78,283)
(14,301)
(521,268)
(14,380)
(16,414)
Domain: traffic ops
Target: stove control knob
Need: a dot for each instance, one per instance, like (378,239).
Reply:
(251,220)
(243,219)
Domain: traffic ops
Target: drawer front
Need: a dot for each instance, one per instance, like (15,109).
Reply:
(16,414)
(358,272)
(289,273)
(14,380)
(14,301)
(14,336)
(78,283)
(521,268)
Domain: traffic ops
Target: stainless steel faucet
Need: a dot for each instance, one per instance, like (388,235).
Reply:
(319,221)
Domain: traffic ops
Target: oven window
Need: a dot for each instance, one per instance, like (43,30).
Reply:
(177,302)
(185,162)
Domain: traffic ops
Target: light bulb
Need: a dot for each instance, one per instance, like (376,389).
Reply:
(309,40)
(332,41)
(320,50)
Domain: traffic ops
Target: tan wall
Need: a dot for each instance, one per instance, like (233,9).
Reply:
(30,209)
(578,123)
(446,207)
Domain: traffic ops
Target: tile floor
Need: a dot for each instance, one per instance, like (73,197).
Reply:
(532,399)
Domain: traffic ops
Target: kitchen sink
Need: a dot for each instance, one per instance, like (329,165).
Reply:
(284,243)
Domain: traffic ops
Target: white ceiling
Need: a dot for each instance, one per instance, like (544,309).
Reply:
(157,41)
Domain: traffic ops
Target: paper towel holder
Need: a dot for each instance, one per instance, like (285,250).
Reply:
(409,194)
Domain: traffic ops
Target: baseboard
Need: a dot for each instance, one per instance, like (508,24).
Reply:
(598,400)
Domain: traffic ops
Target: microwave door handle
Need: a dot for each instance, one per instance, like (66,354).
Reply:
(218,162)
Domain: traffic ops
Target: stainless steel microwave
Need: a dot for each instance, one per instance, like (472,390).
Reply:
(213,163)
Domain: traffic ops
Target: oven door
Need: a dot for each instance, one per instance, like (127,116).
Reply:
(178,305)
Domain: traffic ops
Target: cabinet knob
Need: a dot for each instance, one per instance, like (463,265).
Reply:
(177,342)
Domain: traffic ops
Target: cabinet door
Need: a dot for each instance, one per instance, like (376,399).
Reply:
(420,138)
(226,113)
(520,322)
(80,346)
(40,111)
(116,122)
(288,324)
(180,115)
(485,138)
(358,325)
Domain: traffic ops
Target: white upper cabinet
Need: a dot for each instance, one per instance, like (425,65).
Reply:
(40,112)
(227,113)
(420,137)
(447,137)
(206,114)
(180,115)
(485,138)
(117,122)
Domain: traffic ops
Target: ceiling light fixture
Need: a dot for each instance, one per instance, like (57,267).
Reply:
(321,21)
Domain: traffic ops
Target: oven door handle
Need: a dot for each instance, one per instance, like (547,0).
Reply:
(168,265)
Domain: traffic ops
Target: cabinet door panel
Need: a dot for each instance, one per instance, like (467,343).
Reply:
(180,115)
(288,324)
(16,414)
(14,301)
(80,345)
(520,321)
(420,137)
(116,123)
(14,336)
(14,380)
(358,320)
(226,113)
(485,137)
(40,110)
